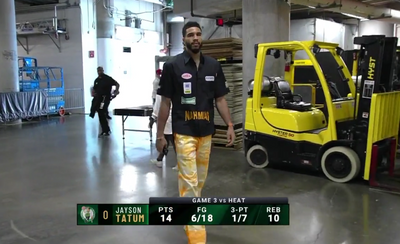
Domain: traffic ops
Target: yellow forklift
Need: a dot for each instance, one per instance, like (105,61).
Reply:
(350,136)
(351,59)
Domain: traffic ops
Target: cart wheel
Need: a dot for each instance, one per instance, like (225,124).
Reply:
(257,157)
(340,164)
(61,111)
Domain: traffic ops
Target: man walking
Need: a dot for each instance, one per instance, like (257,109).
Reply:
(102,96)
(192,82)
(167,133)
(156,83)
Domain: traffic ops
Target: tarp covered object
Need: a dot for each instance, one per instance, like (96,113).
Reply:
(23,105)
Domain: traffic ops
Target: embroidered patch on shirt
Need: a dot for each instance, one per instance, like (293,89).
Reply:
(187,88)
(190,100)
(186,76)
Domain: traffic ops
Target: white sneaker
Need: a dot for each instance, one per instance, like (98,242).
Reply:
(175,168)
(157,163)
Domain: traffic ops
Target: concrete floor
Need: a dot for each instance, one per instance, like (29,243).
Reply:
(47,168)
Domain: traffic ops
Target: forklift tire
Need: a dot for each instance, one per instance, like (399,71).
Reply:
(257,157)
(341,157)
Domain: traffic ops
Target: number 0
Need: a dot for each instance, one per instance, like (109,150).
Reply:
(105,214)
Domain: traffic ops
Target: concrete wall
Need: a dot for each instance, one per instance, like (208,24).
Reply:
(89,44)
(376,27)
(130,69)
(211,31)
(42,47)
(350,31)
(175,38)
(135,68)
(322,30)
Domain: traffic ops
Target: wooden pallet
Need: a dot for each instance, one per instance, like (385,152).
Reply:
(229,53)
(223,48)
(233,74)
(219,138)
(234,146)
(225,127)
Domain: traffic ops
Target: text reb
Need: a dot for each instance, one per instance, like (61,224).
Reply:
(273,209)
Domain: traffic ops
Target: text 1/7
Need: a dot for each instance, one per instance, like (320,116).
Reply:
(239,218)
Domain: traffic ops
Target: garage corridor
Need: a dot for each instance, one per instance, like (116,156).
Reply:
(48,167)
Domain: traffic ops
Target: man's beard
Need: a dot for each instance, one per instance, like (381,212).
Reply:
(194,50)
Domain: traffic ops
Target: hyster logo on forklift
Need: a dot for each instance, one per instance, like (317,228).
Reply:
(283,133)
(371,68)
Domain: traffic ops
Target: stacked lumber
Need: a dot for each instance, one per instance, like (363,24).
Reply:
(233,75)
(219,139)
(228,48)
(229,52)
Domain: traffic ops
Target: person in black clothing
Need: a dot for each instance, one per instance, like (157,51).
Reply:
(193,84)
(101,98)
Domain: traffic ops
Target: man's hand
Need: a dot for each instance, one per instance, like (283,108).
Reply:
(92,92)
(152,121)
(230,136)
(161,143)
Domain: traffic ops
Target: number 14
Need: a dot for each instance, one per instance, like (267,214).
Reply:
(163,219)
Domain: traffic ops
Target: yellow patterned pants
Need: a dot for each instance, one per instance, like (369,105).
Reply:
(193,154)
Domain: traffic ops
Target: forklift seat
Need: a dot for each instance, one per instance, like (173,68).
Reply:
(285,98)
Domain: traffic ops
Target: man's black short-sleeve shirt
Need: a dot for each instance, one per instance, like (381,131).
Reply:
(192,92)
(103,85)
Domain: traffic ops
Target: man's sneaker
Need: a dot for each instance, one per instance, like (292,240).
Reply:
(156,162)
(103,134)
(175,168)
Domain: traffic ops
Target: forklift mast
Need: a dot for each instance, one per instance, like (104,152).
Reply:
(377,69)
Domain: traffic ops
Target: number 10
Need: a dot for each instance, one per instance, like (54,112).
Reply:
(273,218)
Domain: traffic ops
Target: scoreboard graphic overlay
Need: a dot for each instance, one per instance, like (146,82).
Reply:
(189,211)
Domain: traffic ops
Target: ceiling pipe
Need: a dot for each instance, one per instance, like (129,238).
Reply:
(355,9)
(47,7)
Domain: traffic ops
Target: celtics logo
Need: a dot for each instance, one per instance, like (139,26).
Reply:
(87,214)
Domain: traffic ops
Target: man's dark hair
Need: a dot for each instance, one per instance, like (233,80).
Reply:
(188,25)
